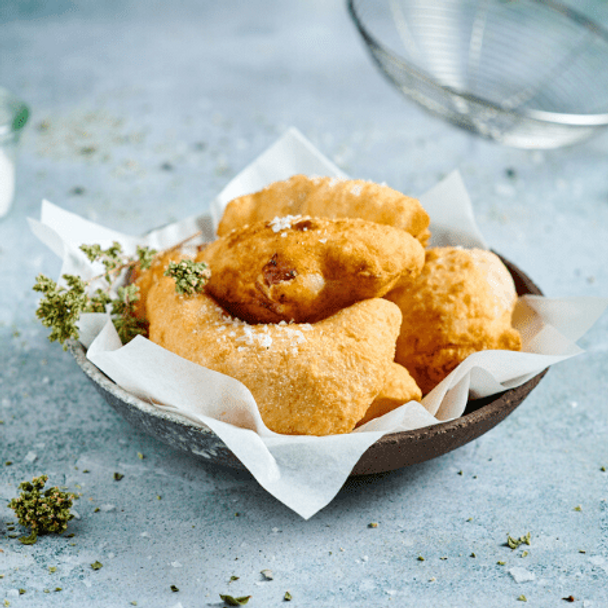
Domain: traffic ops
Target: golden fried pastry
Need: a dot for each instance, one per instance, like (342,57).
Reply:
(399,388)
(328,197)
(310,379)
(145,279)
(461,303)
(305,269)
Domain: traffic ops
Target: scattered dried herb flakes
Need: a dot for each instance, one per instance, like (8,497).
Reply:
(174,588)
(96,565)
(118,476)
(287,597)
(372,524)
(420,558)
(233,578)
(52,569)
(140,455)
(513,543)
(570,598)
(22,591)
(502,563)
(522,598)
(578,508)
(229,600)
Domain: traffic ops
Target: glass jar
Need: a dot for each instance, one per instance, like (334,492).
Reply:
(13,116)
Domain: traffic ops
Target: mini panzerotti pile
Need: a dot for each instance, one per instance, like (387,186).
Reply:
(326,303)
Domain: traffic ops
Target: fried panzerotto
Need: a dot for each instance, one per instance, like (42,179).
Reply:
(461,303)
(305,269)
(145,279)
(328,197)
(307,379)
(399,388)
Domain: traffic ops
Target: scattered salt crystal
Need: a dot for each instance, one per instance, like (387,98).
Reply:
(275,530)
(505,190)
(145,535)
(267,574)
(356,190)
(107,508)
(30,457)
(111,555)
(521,575)
(75,513)
(266,341)
(176,564)
(365,558)
(323,241)
(573,403)
(12,593)
(282,223)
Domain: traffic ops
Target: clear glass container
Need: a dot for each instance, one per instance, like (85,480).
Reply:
(13,117)
(528,74)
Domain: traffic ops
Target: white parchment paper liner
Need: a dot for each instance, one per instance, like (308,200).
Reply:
(305,473)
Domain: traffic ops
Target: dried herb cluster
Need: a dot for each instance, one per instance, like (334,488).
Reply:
(61,306)
(42,512)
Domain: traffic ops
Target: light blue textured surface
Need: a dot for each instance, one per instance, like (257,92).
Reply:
(141,113)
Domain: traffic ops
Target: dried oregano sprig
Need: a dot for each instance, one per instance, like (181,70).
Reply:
(61,307)
(190,277)
(42,512)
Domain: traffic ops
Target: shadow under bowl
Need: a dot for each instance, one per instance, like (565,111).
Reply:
(391,452)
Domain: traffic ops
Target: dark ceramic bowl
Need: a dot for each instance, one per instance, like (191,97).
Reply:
(391,452)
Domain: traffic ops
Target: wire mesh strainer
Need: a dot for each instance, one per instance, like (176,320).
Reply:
(526,73)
